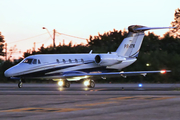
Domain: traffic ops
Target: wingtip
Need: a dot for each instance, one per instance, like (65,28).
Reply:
(164,71)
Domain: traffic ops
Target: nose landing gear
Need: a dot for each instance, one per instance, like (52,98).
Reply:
(20,84)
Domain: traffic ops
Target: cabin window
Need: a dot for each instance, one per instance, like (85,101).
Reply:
(39,62)
(76,60)
(70,60)
(27,61)
(57,60)
(35,61)
(64,61)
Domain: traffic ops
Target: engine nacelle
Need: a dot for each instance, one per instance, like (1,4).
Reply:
(108,59)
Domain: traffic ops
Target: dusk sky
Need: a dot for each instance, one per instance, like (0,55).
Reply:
(22,19)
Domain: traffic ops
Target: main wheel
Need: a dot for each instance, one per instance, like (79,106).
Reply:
(20,84)
(66,84)
(91,84)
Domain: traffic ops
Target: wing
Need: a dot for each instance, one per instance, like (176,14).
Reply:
(114,74)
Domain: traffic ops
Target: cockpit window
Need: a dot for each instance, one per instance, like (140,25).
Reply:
(39,62)
(57,60)
(28,61)
(35,61)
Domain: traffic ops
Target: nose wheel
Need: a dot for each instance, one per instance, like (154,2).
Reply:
(20,84)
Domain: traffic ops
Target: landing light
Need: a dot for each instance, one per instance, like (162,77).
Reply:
(86,83)
(60,83)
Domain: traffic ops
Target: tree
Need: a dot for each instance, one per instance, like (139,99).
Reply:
(1,44)
(176,23)
(107,42)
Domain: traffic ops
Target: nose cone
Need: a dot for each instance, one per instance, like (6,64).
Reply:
(11,72)
(16,70)
(8,73)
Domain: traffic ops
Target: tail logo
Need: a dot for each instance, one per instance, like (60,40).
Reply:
(129,45)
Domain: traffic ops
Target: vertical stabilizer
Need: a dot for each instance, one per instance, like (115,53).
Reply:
(131,45)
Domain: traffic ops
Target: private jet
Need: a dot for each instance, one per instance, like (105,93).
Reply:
(65,68)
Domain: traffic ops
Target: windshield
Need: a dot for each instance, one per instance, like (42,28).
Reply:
(28,61)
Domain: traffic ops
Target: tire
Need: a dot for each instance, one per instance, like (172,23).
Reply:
(20,85)
(92,84)
(67,84)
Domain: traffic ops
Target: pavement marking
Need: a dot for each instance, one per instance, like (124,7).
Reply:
(122,98)
(115,100)
(98,89)
(140,97)
(162,98)
(43,110)
(99,103)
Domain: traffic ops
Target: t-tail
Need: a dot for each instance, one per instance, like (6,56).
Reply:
(130,46)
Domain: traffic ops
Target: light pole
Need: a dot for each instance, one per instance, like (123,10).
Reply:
(54,32)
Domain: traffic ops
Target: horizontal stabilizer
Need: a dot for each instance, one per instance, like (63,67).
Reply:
(140,28)
(149,28)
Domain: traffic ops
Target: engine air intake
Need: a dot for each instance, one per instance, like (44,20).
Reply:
(97,59)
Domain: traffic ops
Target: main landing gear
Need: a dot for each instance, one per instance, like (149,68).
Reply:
(89,83)
(64,83)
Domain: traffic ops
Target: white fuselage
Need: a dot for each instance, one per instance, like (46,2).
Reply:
(51,66)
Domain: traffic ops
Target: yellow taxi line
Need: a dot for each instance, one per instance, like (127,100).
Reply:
(110,101)
(43,110)
(99,103)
